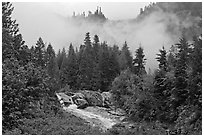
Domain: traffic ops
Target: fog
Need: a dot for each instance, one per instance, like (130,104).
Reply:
(58,28)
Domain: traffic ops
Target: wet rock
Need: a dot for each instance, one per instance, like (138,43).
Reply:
(85,98)
(106,99)
(64,99)
(93,98)
(77,96)
(81,103)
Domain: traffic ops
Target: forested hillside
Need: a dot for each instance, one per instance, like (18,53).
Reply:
(166,101)
(189,15)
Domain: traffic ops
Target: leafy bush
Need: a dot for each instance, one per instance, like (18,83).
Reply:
(23,88)
(130,94)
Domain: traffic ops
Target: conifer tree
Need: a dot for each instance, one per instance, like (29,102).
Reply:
(180,91)
(12,40)
(125,58)
(160,85)
(96,73)
(40,58)
(162,59)
(139,62)
(52,66)
(69,69)
(86,63)
(195,79)
(60,57)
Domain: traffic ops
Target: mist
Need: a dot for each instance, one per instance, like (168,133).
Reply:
(60,30)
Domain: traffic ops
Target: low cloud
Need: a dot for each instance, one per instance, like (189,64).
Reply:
(154,31)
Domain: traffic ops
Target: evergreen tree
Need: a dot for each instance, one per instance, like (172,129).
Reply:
(125,58)
(180,91)
(162,59)
(96,73)
(12,40)
(52,66)
(86,63)
(161,92)
(71,68)
(108,66)
(60,57)
(40,58)
(104,67)
(139,62)
(195,79)
(171,58)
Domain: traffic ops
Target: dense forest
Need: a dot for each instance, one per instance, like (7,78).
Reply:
(168,98)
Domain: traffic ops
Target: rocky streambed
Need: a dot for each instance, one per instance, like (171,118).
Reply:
(100,117)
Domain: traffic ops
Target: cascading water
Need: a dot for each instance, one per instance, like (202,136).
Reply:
(90,114)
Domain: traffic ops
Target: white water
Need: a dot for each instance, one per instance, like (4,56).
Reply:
(94,119)
(95,116)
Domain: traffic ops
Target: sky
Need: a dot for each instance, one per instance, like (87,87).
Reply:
(113,10)
(51,22)
(35,18)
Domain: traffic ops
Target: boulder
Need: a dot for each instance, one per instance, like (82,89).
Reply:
(78,96)
(106,99)
(93,98)
(64,99)
(81,103)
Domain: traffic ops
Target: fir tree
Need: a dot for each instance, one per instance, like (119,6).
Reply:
(12,40)
(180,91)
(96,73)
(40,58)
(162,59)
(60,57)
(86,63)
(139,62)
(52,66)
(160,86)
(125,58)
(195,79)
(69,69)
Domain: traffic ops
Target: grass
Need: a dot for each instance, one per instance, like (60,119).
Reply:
(61,124)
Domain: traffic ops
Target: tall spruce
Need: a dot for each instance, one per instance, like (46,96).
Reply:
(139,62)
(12,40)
(125,58)
(52,66)
(161,86)
(69,69)
(180,91)
(86,63)
(40,58)
(96,72)
(162,59)
(195,79)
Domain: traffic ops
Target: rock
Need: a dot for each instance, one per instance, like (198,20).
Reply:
(64,99)
(81,103)
(93,98)
(77,96)
(106,99)
(85,98)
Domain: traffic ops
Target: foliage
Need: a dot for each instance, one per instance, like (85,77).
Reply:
(139,62)
(21,85)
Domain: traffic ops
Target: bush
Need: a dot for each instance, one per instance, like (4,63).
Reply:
(130,94)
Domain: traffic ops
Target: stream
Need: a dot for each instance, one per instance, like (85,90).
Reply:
(93,117)
(100,117)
